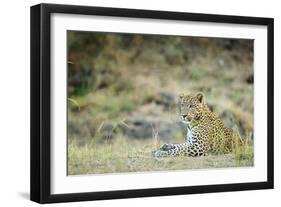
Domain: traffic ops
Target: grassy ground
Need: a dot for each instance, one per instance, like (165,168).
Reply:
(113,78)
(125,155)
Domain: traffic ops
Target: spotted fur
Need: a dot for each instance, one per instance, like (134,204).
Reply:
(206,132)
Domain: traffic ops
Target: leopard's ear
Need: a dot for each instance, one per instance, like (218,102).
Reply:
(200,97)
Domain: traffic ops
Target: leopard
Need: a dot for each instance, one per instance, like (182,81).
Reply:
(206,133)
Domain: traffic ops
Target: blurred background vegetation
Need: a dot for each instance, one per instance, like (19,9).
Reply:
(123,89)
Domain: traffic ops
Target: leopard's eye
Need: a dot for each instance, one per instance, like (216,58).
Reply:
(191,106)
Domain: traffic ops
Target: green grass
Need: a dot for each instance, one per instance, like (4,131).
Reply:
(125,155)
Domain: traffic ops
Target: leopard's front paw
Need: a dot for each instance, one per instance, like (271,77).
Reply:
(166,147)
(159,154)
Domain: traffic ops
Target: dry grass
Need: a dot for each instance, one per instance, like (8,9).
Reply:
(124,155)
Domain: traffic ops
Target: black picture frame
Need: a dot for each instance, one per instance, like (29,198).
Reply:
(41,98)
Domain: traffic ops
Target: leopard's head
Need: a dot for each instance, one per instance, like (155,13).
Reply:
(191,107)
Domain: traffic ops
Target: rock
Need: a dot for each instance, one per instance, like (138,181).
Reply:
(250,79)
(166,99)
(147,127)
(230,120)
(227,118)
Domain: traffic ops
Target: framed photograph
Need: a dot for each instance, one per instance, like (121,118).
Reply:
(132,103)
